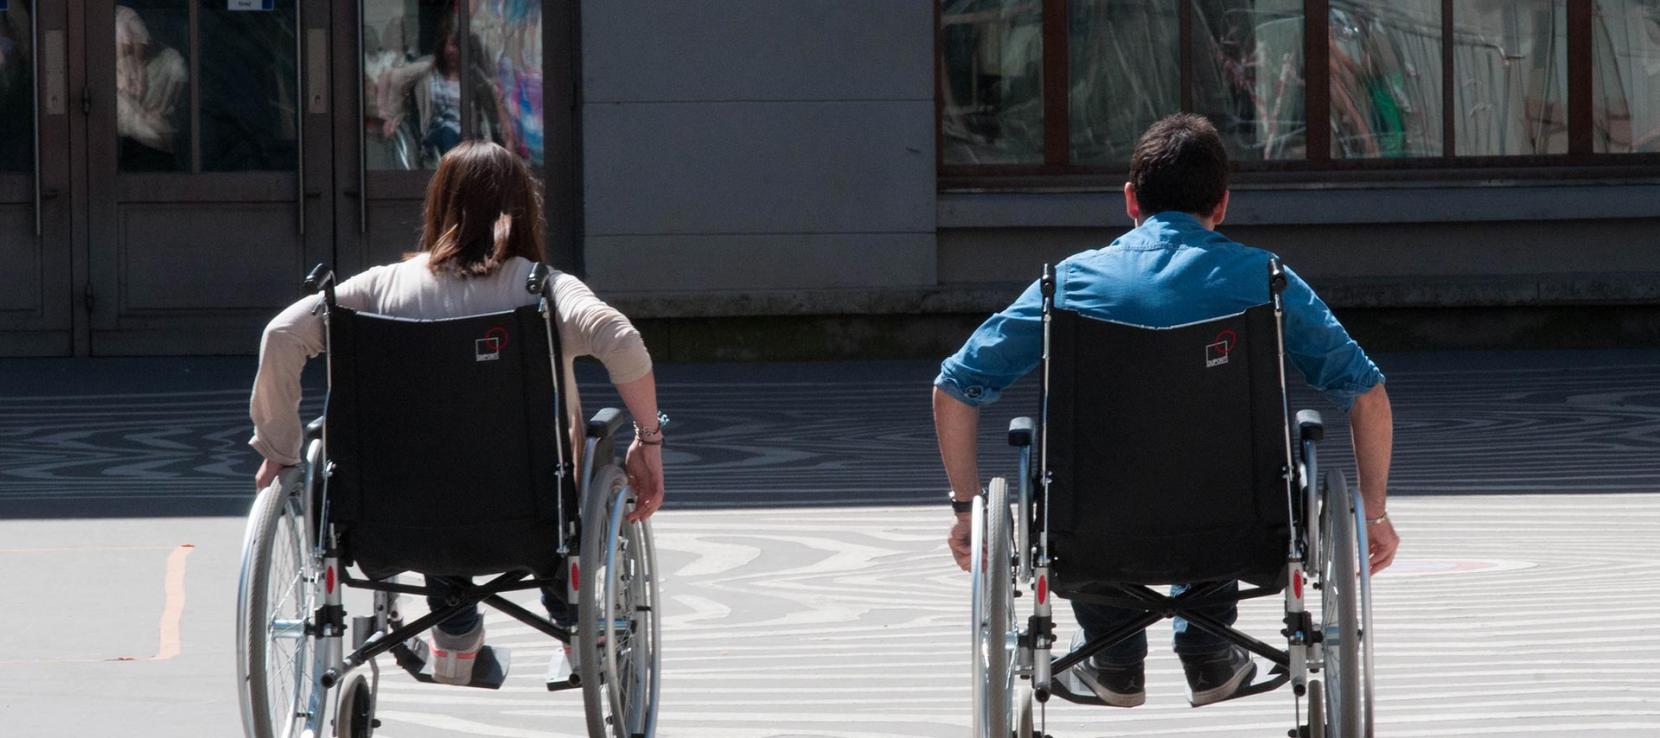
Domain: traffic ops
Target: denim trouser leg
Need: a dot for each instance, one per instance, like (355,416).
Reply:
(460,623)
(1194,642)
(553,598)
(1191,641)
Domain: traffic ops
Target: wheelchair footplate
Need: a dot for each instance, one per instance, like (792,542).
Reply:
(561,673)
(489,668)
(1068,686)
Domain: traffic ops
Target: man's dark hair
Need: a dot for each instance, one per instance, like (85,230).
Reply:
(1179,164)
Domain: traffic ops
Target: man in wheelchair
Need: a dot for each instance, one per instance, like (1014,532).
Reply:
(1171,271)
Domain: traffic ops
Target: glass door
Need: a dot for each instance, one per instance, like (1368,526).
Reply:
(36,308)
(207,148)
(420,64)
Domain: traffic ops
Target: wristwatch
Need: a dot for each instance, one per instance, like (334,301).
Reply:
(959,506)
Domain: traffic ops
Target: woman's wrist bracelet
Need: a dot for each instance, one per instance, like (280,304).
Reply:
(1384,518)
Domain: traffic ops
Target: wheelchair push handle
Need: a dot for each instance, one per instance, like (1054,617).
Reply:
(538,279)
(321,278)
(1047,283)
(1276,277)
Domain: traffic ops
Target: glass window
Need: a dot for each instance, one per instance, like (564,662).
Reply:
(1248,75)
(1386,79)
(991,81)
(411,82)
(17,113)
(1510,77)
(1125,60)
(1626,70)
(152,85)
(510,34)
(249,94)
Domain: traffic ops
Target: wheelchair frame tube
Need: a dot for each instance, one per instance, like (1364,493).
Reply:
(545,306)
(1041,628)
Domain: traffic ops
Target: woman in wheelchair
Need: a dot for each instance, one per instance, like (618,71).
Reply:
(481,243)
(1164,427)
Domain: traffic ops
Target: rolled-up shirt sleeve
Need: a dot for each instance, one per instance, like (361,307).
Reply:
(294,336)
(1321,348)
(1001,351)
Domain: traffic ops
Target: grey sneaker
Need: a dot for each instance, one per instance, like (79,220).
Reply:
(453,655)
(1118,685)
(1219,677)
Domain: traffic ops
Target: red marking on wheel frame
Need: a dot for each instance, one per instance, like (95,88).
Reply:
(328,581)
(1043,590)
(1297,585)
(576,576)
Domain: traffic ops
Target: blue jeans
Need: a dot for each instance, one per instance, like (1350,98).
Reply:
(1191,642)
(461,623)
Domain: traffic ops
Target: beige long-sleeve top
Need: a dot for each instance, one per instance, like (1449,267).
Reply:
(587,327)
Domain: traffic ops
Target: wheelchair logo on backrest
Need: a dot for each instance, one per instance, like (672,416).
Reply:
(1216,354)
(489,347)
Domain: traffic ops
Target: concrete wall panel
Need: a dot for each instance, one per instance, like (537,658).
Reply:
(721,50)
(711,168)
(750,263)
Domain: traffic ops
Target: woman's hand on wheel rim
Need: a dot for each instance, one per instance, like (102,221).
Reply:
(644,465)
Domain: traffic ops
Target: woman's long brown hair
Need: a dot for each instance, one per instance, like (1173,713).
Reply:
(483,208)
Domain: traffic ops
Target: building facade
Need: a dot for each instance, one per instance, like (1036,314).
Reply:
(755,178)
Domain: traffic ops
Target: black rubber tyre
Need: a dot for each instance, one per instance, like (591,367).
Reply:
(617,628)
(1316,709)
(999,610)
(354,714)
(1340,609)
(274,596)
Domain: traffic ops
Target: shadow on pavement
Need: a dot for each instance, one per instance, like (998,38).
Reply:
(113,438)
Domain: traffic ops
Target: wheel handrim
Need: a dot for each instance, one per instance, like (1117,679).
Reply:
(288,599)
(629,618)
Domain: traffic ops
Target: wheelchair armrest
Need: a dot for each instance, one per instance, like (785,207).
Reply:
(1020,432)
(1309,426)
(314,429)
(605,423)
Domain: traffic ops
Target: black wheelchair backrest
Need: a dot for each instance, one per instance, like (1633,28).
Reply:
(444,436)
(1166,448)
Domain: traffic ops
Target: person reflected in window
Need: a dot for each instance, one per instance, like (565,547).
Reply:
(432,86)
(150,81)
(1174,268)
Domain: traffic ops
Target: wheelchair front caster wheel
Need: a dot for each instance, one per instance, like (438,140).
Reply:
(354,715)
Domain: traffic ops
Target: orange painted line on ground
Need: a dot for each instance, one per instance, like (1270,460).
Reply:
(173,611)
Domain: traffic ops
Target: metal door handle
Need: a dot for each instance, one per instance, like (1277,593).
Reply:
(299,114)
(34,44)
(362,139)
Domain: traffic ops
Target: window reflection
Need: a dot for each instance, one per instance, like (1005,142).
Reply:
(412,72)
(1386,78)
(17,124)
(511,36)
(152,77)
(1510,65)
(249,94)
(1126,74)
(991,81)
(1626,71)
(1248,75)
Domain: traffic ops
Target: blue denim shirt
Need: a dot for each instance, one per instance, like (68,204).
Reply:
(1168,272)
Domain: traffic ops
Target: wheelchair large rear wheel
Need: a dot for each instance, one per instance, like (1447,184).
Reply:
(617,619)
(994,643)
(1347,705)
(274,601)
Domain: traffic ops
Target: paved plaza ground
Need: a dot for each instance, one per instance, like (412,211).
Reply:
(808,589)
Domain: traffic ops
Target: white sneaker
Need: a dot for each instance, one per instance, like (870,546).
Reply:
(453,656)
